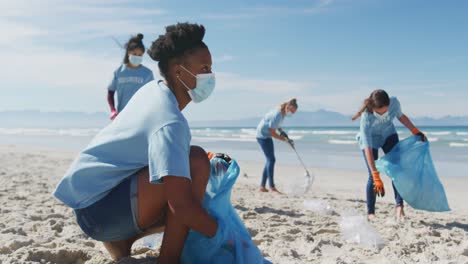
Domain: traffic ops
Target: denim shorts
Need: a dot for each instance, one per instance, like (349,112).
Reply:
(114,217)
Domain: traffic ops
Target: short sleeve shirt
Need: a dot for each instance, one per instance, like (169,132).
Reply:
(150,132)
(373,132)
(127,81)
(272,119)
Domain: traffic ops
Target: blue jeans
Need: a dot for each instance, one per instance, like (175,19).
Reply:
(390,142)
(268,149)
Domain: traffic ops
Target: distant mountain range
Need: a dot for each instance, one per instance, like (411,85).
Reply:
(38,119)
(324,118)
(302,119)
(320,118)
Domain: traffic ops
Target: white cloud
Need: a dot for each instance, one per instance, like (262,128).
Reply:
(53,68)
(262,11)
(14,32)
(77,20)
(233,81)
(347,101)
(64,8)
(435,94)
(39,34)
(325,2)
(224,58)
(100,29)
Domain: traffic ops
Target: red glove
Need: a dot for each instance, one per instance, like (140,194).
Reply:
(378,184)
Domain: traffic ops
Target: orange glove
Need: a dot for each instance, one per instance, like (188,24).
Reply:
(223,156)
(378,184)
(211,155)
(416,131)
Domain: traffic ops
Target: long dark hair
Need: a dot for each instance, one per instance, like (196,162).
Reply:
(135,42)
(377,99)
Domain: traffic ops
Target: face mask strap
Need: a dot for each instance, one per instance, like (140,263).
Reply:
(182,66)
(180,80)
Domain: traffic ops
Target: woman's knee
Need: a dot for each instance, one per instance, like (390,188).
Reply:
(271,159)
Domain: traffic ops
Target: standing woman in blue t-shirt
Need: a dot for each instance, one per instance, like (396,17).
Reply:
(139,174)
(129,77)
(268,128)
(378,131)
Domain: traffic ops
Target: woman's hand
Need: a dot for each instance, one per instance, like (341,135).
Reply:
(378,184)
(407,123)
(283,134)
(416,132)
(274,134)
(113,114)
(285,137)
(184,206)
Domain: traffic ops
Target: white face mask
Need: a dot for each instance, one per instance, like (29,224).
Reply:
(289,113)
(135,60)
(381,117)
(204,87)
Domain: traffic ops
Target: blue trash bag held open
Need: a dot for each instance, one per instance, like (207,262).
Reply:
(200,249)
(409,165)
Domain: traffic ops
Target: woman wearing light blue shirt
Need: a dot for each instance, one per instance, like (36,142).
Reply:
(268,129)
(140,175)
(378,131)
(129,77)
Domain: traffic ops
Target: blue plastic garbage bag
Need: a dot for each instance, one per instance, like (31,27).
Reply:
(409,165)
(234,244)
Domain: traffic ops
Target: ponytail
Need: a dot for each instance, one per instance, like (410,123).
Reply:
(366,106)
(377,99)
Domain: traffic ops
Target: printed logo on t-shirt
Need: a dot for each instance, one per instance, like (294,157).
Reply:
(130,79)
(384,120)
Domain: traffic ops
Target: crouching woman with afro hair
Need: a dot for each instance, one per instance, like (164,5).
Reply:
(140,175)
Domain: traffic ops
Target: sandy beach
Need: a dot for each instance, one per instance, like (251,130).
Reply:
(36,228)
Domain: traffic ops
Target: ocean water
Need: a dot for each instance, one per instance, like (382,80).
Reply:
(328,147)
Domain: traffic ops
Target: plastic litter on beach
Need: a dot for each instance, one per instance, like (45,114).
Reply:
(299,186)
(356,229)
(318,206)
(152,241)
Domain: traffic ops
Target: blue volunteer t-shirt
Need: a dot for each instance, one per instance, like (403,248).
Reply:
(373,132)
(127,81)
(272,119)
(150,132)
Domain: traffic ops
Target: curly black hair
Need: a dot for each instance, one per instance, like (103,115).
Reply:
(179,40)
(135,42)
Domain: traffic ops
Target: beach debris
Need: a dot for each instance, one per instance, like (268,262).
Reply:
(356,229)
(153,241)
(318,206)
(299,186)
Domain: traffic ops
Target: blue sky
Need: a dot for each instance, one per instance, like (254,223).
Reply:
(58,54)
